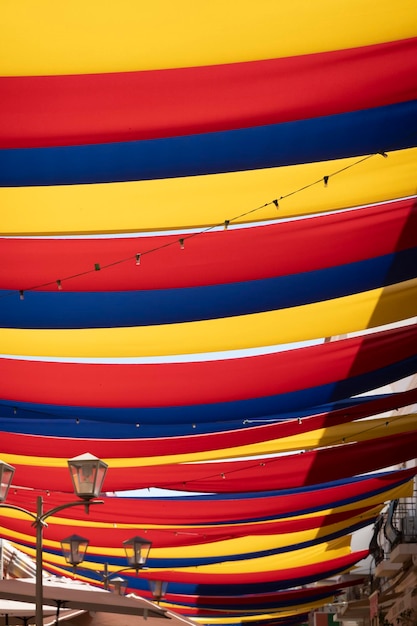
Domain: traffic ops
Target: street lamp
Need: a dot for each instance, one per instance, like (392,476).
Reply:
(118,585)
(158,588)
(74,549)
(87,473)
(137,551)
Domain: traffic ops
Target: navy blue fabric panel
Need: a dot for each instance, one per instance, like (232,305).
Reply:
(59,426)
(368,131)
(243,409)
(65,309)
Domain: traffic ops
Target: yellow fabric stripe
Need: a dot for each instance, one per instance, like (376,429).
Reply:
(296,558)
(201,201)
(345,433)
(103,36)
(321,319)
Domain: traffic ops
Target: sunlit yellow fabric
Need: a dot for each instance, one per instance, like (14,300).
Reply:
(296,558)
(311,321)
(345,433)
(201,201)
(48,37)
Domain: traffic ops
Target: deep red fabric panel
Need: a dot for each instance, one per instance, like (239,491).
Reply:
(103,448)
(125,385)
(207,510)
(178,536)
(332,240)
(102,108)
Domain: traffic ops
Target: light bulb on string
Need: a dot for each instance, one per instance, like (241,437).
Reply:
(226,224)
(181,242)
(383,154)
(138,258)
(21,294)
(276,203)
(325,180)
(59,285)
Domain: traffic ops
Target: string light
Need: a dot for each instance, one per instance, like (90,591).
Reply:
(97,266)
(226,224)
(21,294)
(59,284)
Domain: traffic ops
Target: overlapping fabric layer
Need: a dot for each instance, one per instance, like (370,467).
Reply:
(202,240)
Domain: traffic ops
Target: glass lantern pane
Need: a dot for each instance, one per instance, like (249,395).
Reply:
(158,588)
(74,549)
(137,550)
(6,477)
(87,472)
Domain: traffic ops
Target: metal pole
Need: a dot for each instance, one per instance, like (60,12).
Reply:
(39,562)
(106,576)
(1,559)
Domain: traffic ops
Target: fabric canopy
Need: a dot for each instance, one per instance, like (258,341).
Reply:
(208,248)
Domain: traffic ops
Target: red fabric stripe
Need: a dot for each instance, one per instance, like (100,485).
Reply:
(211,257)
(117,385)
(197,510)
(101,108)
(171,537)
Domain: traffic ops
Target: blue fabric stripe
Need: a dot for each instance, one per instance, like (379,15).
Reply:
(66,309)
(368,131)
(59,426)
(303,399)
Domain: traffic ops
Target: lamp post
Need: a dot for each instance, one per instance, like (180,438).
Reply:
(87,473)
(137,552)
